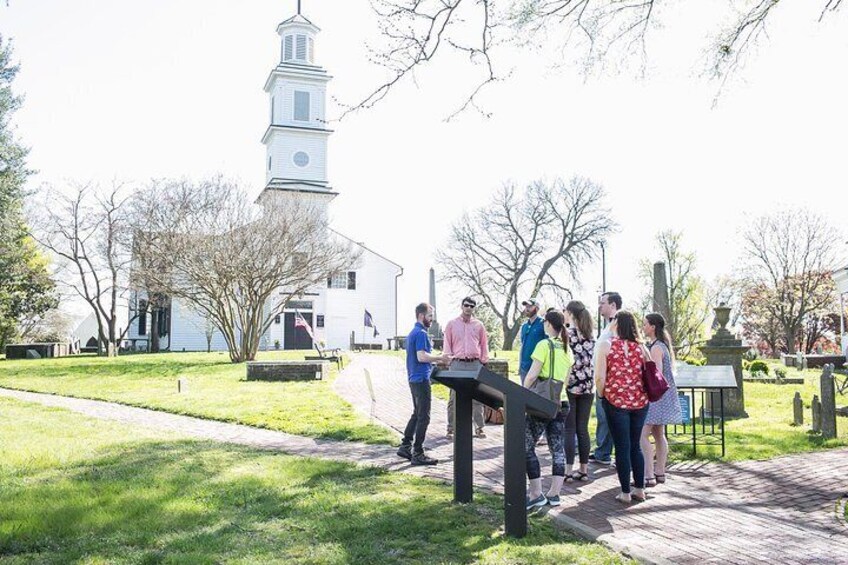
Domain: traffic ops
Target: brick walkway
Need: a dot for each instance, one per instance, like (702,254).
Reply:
(778,511)
(781,511)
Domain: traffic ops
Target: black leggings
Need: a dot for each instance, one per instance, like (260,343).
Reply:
(577,421)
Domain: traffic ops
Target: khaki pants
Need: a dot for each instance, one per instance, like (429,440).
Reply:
(476,413)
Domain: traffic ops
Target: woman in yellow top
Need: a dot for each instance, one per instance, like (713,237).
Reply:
(546,365)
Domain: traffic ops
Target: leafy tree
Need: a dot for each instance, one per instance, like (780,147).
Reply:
(26,289)
(687,292)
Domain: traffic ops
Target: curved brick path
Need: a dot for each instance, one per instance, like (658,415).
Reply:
(779,511)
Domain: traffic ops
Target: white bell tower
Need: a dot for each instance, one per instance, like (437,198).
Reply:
(296,139)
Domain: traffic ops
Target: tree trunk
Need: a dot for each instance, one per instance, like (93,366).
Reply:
(509,336)
(154,329)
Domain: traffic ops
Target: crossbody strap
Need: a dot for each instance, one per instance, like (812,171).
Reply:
(553,356)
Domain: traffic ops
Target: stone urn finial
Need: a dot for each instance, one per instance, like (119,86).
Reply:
(722,314)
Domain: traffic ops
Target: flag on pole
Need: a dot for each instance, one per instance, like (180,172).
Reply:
(300,322)
(369,322)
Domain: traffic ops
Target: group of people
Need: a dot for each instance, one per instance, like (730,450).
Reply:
(605,371)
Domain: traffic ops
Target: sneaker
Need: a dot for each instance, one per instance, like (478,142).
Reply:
(405,451)
(449,434)
(600,461)
(423,459)
(480,433)
(553,500)
(536,502)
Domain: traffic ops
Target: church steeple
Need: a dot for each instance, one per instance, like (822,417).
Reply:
(296,139)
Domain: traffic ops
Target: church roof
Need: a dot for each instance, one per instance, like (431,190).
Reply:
(360,244)
(297,19)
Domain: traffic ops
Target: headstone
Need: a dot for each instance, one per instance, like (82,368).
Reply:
(799,360)
(32,354)
(828,403)
(816,414)
(724,349)
(804,362)
(798,409)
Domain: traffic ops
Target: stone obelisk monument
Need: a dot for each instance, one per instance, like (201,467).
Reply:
(435,329)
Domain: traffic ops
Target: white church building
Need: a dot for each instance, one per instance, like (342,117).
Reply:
(296,168)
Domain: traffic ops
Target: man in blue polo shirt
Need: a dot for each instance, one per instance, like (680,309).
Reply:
(532,332)
(419,365)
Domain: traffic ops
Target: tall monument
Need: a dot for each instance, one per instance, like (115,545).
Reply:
(435,329)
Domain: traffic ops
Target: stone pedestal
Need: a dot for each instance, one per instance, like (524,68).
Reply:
(724,349)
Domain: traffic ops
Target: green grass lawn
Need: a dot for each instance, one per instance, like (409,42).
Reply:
(768,431)
(78,490)
(217,389)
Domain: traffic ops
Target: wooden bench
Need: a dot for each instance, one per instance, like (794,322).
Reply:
(333,356)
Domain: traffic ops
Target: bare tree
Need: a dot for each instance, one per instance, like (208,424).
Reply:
(86,230)
(233,262)
(525,243)
(791,256)
(416,33)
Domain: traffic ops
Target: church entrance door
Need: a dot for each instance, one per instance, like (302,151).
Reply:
(296,338)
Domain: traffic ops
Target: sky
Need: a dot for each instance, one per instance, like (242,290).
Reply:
(132,91)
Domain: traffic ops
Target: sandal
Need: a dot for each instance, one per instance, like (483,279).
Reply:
(638,498)
(650,483)
(660,478)
(579,476)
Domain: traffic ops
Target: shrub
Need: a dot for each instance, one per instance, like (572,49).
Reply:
(695,362)
(746,365)
(759,367)
(751,355)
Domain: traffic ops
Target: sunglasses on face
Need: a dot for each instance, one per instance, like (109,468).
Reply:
(468,306)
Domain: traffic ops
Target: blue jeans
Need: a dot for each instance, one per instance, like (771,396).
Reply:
(603,439)
(626,428)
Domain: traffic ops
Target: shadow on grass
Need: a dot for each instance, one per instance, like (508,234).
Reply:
(202,503)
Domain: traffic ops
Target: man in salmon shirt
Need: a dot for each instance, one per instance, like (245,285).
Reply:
(466,341)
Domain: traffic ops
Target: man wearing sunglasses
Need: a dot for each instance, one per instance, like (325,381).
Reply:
(467,343)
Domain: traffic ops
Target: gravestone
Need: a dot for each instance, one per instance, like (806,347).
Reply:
(828,403)
(816,406)
(798,409)
(724,349)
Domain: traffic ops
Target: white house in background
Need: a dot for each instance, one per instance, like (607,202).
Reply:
(840,277)
(296,169)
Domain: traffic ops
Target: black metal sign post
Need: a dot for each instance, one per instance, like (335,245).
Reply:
(475,382)
(463,456)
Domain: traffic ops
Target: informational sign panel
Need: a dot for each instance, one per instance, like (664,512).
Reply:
(686,408)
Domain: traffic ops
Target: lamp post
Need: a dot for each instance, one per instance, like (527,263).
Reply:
(603,281)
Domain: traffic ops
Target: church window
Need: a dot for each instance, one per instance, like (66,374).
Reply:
(311,50)
(277,319)
(273,100)
(287,48)
(351,280)
(300,54)
(269,162)
(301,106)
(142,317)
(301,159)
(339,280)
